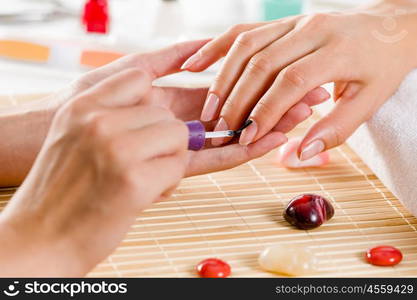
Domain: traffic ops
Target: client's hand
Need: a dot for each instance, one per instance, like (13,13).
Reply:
(270,67)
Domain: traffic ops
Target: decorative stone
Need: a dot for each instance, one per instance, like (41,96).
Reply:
(213,268)
(287,156)
(289,260)
(308,211)
(384,256)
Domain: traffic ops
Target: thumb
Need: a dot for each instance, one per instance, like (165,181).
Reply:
(168,60)
(333,129)
(156,64)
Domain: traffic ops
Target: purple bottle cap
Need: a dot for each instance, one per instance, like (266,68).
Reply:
(197,135)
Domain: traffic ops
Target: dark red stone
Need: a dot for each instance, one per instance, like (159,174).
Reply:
(308,211)
(384,256)
(213,268)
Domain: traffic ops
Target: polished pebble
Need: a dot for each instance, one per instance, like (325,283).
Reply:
(288,158)
(384,256)
(213,268)
(289,260)
(308,211)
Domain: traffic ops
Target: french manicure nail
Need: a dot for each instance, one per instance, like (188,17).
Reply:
(221,126)
(191,61)
(210,108)
(323,94)
(248,134)
(312,149)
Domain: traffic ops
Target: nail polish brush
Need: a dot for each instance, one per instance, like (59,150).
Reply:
(198,134)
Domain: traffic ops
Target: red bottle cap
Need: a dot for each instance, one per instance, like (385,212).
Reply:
(96,16)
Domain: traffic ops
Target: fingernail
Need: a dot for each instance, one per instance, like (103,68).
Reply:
(221,125)
(312,149)
(323,94)
(191,61)
(210,108)
(248,134)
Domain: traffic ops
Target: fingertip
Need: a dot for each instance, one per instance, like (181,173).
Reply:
(316,96)
(304,111)
(270,142)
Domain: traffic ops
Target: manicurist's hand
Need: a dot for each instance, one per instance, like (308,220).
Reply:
(106,157)
(24,127)
(270,67)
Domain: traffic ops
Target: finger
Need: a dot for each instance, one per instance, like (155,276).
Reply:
(291,85)
(125,88)
(217,48)
(297,114)
(331,131)
(155,64)
(316,96)
(130,118)
(301,111)
(259,74)
(217,159)
(244,47)
(338,89)
(185,103)
(159,139)
(164,182)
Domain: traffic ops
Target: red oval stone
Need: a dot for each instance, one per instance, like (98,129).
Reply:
(308,211)
(384,256)
(213,268)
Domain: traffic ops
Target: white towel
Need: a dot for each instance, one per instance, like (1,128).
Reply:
(388,142)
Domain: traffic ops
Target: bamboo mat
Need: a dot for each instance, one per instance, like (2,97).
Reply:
(235,214)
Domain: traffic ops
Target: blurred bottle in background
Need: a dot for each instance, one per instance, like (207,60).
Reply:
(95,16)
(276,9)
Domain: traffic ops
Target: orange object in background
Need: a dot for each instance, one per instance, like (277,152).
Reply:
(24,51)
(91,58)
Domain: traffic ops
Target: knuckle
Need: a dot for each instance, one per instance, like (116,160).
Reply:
(260,63)
(161,112)
(136,74)
(337,135)
(96,125)
(236,29)
(314,22)
(317,19)
(264,109)
(294,76)
(245,40)
(115,150)
(78,107)
(218,82)
(229,108)
(131,180)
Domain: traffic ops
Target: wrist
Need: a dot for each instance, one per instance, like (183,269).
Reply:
(24,127)
(395,25)
(25,254)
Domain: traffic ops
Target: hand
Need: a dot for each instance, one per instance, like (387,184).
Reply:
(187,105)
(24,127)
(269,67)
(99,166)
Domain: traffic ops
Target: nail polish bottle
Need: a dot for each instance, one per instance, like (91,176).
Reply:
(96,16)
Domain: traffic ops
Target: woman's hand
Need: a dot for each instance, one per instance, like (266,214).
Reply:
(187,105)
(106,157)
(270,67)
